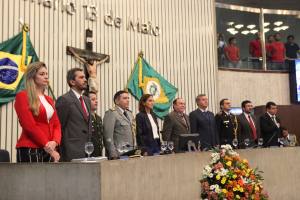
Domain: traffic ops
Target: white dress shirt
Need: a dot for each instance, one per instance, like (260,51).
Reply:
(47,106)
(153,126)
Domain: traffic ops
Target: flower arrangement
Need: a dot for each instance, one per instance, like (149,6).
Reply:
(229,177)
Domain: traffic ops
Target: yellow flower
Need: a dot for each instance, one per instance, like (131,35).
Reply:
(223,180)
(245,161)
(218,177)
(224,191)
(234,176)
(234,189)
(229,163)
(256,188)
(237,196)
(241,189)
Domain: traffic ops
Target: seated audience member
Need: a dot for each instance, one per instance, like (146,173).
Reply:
(147,129)
(41,130)
(288,139)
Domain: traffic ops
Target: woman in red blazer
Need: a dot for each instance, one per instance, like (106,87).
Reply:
(41,130)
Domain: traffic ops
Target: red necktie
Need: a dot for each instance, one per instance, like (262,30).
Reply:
(83,107)
(252,128)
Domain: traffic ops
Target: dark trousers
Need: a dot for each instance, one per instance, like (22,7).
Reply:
(32,155)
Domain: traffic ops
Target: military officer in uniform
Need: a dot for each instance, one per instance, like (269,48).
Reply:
(226,123)
(118,126)
(97,126)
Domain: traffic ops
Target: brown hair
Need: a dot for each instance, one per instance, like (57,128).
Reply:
(142,101)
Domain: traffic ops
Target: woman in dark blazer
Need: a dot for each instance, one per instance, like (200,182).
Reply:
(147,128)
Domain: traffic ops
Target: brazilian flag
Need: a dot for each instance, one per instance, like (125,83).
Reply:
(15,54)
(145,80)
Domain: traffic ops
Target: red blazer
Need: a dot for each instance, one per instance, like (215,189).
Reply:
(36,130)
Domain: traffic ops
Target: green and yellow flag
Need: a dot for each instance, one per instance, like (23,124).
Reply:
(145,80)
(15,54)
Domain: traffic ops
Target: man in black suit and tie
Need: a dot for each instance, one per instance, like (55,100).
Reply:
(74,110)
(203,122)
(270,125)
(176,123)
(248,125)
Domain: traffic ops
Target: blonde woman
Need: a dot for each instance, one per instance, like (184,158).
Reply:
(41,130)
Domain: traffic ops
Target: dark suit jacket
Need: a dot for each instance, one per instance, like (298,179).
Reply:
(173,127)
(205,125)
(269,131)
(144,135)
(76,130)
(245,131)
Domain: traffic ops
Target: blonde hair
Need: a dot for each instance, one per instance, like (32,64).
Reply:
(30,86)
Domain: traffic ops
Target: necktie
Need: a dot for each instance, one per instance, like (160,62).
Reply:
(252,128)
(184,121)
(125,113)
(83,107)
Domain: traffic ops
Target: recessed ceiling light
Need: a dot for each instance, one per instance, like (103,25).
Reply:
(266,24)
(251,26)
(238,26)
(278,23)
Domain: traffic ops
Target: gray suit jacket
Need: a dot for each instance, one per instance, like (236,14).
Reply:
(173,127)
(75,128)
(245,131)
(117,131)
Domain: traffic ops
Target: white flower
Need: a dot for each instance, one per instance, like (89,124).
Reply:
(210,175)
(215,157)
(223,172)
(227,147)
(212,187)
(206,171)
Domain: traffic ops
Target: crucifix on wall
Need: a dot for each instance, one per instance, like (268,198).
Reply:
(90,60)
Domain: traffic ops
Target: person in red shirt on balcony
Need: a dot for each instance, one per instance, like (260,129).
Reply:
(255,51)
(277,50)
(41,130)
(232,53)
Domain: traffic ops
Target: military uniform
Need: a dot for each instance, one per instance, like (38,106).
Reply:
(118,130)
(97,135)
(225,127)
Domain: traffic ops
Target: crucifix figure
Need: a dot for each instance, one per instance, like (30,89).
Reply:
(90,60)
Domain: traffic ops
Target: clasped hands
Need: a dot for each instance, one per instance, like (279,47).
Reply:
(50,148)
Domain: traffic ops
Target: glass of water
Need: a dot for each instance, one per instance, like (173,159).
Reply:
(171,146)
(260,142)
(247,142)
(235,142)
(89,148)
(164,146)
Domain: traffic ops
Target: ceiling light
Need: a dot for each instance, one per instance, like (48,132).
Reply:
(238,26)
(251,26)
(230,23)
(277,29)
(246,32)
(230,29)
(253,31)
(278,23)
(266,24)
(284,27)
(266,30)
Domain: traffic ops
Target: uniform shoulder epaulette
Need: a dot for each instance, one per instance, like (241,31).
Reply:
(112,109)
(219,113)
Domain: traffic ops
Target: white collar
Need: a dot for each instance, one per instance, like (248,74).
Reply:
(121,109)
(271,115)
(203,110)
(76,93)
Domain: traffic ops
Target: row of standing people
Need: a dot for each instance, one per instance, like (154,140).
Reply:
(276,51)
(58,132)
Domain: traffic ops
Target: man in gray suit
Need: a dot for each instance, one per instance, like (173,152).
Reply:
(248,125)
(118,126)
(73,110)
(176,123)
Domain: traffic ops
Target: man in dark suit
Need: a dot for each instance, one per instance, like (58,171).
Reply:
(73,110)
(203,122)
(248,125)
(270,125)
(176,123)
(226,123)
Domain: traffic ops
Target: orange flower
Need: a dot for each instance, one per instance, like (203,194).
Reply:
(240,182)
